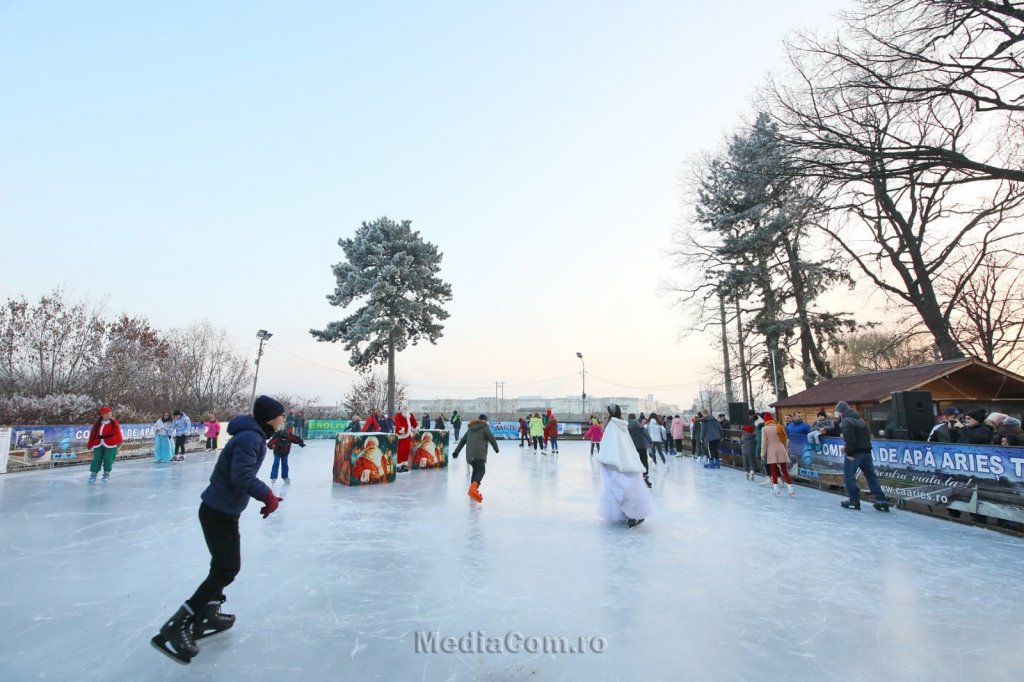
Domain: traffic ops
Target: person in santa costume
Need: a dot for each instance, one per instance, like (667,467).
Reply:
(405,424)
(104,437)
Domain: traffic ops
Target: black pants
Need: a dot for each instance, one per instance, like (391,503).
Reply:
(224,543)
(595,444)
(179,445)
(524,438)
(211,443)
(538,443)
(679,445)
(478,471)
(713,449)
(457,429)
(643,459)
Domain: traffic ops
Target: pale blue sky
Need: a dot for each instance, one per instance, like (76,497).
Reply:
(201,159)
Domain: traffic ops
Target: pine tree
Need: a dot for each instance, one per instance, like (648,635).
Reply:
(395,274)
(760,213)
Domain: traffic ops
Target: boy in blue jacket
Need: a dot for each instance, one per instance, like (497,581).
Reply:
(232,483)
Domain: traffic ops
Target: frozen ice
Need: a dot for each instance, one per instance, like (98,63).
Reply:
(723,581)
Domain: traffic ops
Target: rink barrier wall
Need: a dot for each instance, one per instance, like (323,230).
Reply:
(48,446)
(973,484)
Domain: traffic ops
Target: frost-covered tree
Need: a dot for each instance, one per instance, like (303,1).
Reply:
(394,273)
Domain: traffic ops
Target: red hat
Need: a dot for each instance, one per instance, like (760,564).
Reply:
(106,409)
(747,428)
(768,417)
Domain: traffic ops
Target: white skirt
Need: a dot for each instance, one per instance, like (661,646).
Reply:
(623,496)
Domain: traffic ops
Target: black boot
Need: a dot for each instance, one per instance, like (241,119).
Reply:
(882,506)
(175,638)
(634,522)
(851,504)
(211,621)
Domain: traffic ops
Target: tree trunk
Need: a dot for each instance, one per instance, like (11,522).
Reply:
(744,371)
(391,374)
(725,352)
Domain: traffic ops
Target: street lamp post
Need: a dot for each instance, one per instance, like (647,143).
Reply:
(262,335)
(583,402)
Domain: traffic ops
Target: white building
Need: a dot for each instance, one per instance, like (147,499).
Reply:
(567,408)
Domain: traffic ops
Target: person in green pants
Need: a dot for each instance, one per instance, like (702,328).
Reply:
(104,437)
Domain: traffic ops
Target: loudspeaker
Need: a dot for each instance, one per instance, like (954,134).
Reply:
(738,414)
(914,413)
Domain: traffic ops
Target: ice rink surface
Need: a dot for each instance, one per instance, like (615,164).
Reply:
(724,582)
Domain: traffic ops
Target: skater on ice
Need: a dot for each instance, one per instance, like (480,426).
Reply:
(281,444)
(476,441)
(624,497)
(232,483)
(104,437)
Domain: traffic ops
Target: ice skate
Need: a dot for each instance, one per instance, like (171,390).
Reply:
(851,504)
(273,481)
(175,638)
(881,506)
(647,480)
(106,477)
(775,490)
(474,492)
(92,478)
(632,523)
(792,492)
(287,480)
(211,621)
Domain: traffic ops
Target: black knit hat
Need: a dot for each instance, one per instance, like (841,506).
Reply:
(266,408)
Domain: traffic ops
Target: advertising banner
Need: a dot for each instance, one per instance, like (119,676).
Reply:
(325,428)
(430,449)
(54,443)
(364,458)
(973,479)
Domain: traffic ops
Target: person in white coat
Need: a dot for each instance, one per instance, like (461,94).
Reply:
(624,495)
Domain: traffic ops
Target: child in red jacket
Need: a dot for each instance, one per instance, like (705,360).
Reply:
(281,444)
(104,437)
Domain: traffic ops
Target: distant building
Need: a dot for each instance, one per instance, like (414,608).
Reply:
(569,407)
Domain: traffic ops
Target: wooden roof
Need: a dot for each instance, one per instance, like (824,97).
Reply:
(986,382)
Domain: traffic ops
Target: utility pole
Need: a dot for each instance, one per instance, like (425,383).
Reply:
(498,384)
(583,400)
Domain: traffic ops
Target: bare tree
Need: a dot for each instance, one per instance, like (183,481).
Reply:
(871,349)
(202,373)
(129,374)
(988,316)
(710,399)
(51,346)
(900,222)
(369,394)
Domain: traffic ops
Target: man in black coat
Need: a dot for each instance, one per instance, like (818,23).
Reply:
(639,436)
(857,437)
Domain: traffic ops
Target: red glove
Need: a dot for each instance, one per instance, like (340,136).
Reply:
(272,501)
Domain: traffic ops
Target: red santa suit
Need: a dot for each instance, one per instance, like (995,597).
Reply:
(405,423)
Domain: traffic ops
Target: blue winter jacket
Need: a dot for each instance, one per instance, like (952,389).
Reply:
(234,480)
(181,426)
(795,428)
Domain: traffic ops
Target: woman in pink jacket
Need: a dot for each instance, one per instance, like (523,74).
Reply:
(678,433)
(775,452)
